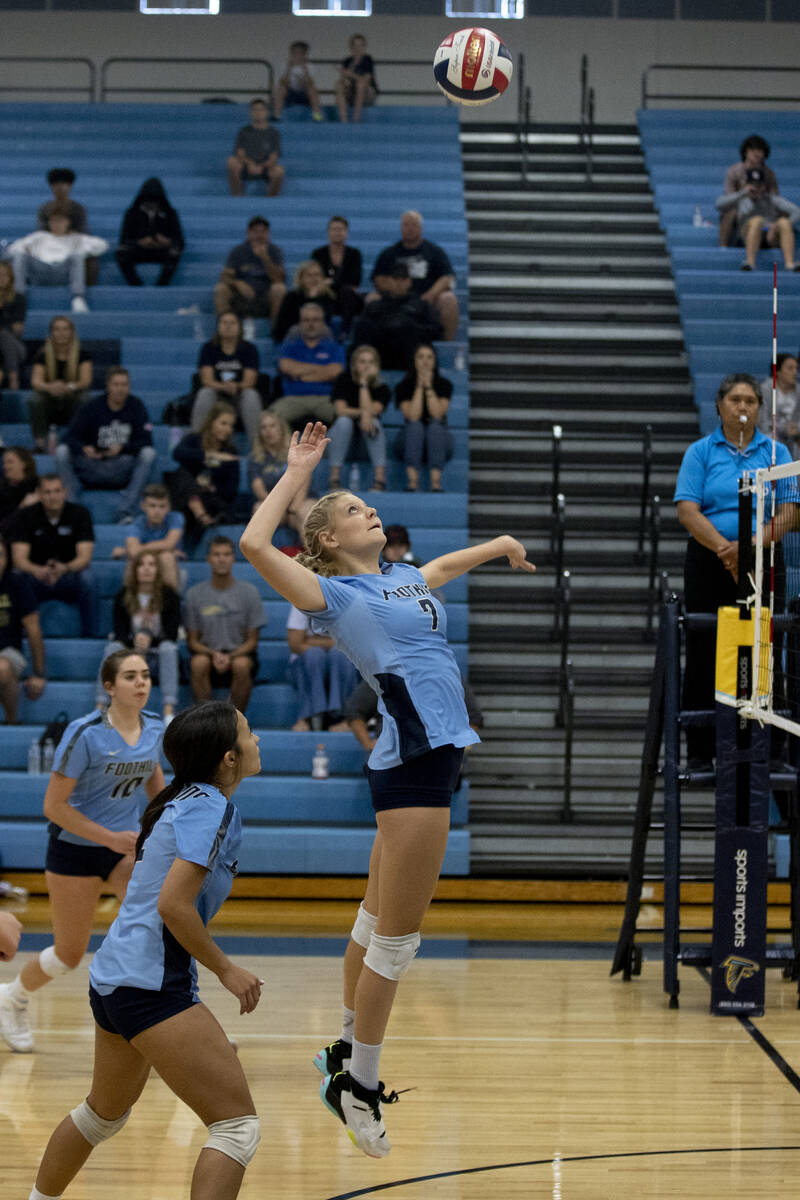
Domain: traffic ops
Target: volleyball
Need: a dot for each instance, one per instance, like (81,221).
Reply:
(472,66)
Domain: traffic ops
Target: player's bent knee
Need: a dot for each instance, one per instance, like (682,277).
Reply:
(391,956)
(96,1129)
(363,927)
(52,965)
(237,1138)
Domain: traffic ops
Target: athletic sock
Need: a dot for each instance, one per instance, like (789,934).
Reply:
(348,1020)
(365,1064)
(18,992)
(37,1195)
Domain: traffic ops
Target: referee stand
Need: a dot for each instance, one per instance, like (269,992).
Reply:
(738,954)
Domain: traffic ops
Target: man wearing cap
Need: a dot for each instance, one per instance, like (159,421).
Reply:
(764,218)
(432,277)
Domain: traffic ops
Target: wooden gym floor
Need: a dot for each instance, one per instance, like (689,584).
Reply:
(534,1073)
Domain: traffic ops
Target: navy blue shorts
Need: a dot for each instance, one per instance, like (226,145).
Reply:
(128,1011)
(427,781)
(67,858)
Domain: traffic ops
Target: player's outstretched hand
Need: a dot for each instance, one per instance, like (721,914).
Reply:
(517,556)
(244,986)
(307,448)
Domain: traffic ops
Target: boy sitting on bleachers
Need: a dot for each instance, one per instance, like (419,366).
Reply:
(158,528)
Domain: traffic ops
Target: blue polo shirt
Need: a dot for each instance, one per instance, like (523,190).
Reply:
(710,474)
(323,354)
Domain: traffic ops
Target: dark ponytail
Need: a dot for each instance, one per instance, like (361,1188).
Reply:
(195,743)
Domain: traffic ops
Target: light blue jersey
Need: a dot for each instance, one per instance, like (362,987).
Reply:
(110,774)
(200,825)
(394,631)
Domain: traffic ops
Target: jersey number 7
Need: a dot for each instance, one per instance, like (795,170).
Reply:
(427,605)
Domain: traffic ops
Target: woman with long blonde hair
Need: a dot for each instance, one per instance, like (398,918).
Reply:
(386,618)
(61,377)
(309,284)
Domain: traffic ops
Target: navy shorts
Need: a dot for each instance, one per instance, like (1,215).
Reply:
(427,781)
(128,1011)
(67,858)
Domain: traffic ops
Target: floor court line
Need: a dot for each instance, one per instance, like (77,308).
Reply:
(560,1162)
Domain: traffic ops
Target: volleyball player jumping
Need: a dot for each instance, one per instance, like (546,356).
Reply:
(143,978)
(387,621)
(102,764)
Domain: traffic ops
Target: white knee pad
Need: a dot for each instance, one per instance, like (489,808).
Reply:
(51,964)
(364,926)
(391,956)
(238,1138)
(94,1128)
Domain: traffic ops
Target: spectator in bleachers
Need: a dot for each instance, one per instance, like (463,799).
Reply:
(309,283)
(356,85)
(205,485)
(19,486)
(364,720)
(764,219)
(55,257)
(296,87)
(787,404)
(228,367)
(255,153)
(158,529)
(342,266)
(252,283)
(150,233)
(19,614)
(309,364)
(109,445)
(753,152)
(222,617)
(321,675)
(61,376)
(397,321)
(60,180)
(431,273)
(13,307)
(359,398)
(398,546)
(53,543)
(423,397)
(266,463)
(147,614)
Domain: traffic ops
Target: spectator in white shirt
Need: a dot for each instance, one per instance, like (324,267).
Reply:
(55,257)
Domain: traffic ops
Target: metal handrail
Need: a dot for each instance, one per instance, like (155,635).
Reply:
(567,814)
(562,610)
(523,115)
(736,98)
(559,525)
(555,481)
(647,463)
(106,89)
(586,125)
(89,88)
(653,591)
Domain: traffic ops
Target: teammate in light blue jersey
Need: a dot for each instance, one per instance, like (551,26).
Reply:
(105,768)
(392,627)
(143,991)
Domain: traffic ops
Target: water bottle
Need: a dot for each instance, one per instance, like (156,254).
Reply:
(697,219)
(52,439)
(319,763)
(460,360)
(34,758)
(354,478)
(48,754)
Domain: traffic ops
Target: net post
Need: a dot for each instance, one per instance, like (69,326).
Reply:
(745,563)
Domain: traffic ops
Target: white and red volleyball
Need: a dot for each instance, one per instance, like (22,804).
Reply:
(472,66)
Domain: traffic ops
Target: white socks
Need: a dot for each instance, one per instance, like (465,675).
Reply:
(365,1064)
(37,1195)
(19,994)
(348,1020)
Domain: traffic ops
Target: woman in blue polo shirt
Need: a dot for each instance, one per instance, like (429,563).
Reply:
(707,496)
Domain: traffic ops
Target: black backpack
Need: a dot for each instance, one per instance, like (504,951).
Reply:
(54,730)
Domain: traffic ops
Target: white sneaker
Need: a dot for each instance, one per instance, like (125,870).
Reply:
(15,1022)
(359,1110)
(249,329)
(79,305)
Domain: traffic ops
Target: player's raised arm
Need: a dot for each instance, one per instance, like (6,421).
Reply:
(449,566)
(293,581)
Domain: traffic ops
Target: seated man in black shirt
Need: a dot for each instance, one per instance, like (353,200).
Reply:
(255,154)
(52,544)
(432,276)
(397,320)
(18,613)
